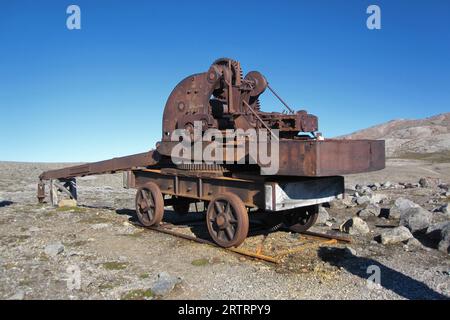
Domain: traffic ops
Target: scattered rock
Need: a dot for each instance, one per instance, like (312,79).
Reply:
(347,201)
(362,200)
(377,198)
(354,226)
(427,182)
(375,186)
(99,226)
(67,203)
(366,190)
(400,205)
(323,216)
(387,185)
(164,284)
(395,235)
(372,210)
(416,219)
(443,186)
(443,209)
(409,185)
(424,182)
(54,249)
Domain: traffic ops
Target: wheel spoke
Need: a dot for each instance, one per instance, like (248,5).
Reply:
(232,220)
(230,233)
(143,194)
(228,208)
(218,208)
(150,201)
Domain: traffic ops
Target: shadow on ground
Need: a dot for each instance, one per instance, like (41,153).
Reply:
(395,281)
(5,203)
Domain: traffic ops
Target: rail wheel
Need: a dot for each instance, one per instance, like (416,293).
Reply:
(227,220)
(181,205)
(149,205)
(301,219)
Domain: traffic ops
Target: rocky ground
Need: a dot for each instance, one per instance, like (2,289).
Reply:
(397,218)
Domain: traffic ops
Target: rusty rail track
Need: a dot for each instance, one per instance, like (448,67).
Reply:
(317,239)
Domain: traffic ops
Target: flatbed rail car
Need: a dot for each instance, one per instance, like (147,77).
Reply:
(289,201)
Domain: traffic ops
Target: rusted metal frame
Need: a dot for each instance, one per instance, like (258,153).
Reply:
(203,188)
(259,119)
(279,98)
(317,235)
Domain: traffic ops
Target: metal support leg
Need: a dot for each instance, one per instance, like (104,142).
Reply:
(41,192)
(53,193)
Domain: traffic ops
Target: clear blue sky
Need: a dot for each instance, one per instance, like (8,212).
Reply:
(108,82)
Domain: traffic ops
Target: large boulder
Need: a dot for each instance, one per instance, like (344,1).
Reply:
(416,219)
(354,226)
(372,210)
(400,205)
(395,235)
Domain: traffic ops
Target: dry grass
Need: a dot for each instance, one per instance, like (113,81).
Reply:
(436,157)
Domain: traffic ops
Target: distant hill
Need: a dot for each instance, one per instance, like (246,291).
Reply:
(427,138)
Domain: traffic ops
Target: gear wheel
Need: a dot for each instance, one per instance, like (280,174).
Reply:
(235,66)
(201,167)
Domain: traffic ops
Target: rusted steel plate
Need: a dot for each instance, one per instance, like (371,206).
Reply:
(330,157)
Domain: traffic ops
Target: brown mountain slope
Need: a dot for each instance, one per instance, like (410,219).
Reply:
(427,138)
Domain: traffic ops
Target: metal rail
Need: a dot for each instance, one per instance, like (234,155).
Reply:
(318,238)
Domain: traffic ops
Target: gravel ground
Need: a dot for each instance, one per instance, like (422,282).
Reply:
(116,260)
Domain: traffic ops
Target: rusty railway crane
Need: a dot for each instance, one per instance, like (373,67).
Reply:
(310,168)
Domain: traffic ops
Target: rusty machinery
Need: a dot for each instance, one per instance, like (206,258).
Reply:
(221,98)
